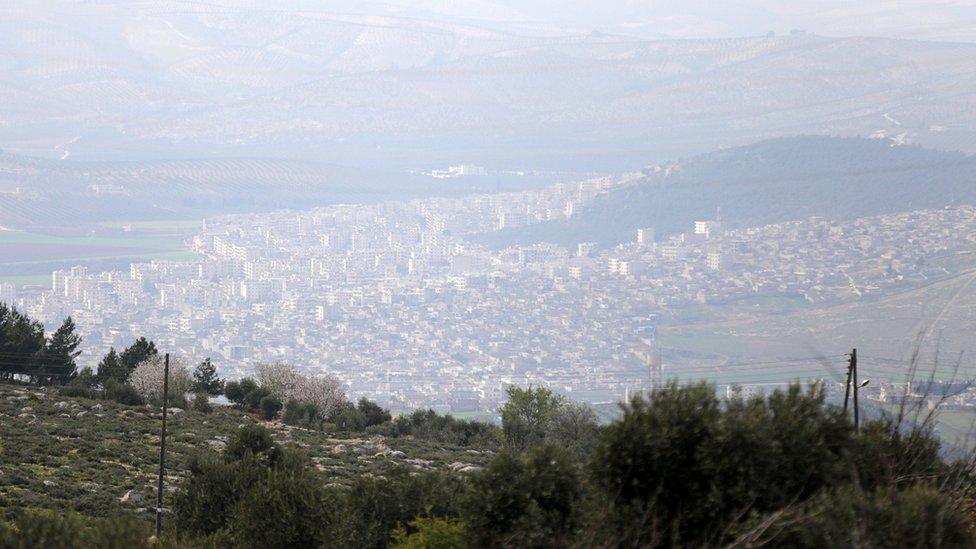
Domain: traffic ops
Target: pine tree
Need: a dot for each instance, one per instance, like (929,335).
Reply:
(136,354)
(205,378)
(111,368)
(57,362)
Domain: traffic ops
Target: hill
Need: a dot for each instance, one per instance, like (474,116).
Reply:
(137,80)
(768,182)
(62,453)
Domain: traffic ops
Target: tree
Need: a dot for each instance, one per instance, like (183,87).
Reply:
(270,406)
(21,339)
(147,378)
(528,416)
(205,378)
(136,354)
(524,500)
(237,391)
(285,382)
(57,362)
(286,509)
(111,368)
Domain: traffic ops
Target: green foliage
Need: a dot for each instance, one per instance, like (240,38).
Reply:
(23,342)
(533,417)
(270,406)
(431,426)
(681,468)
(286,509)
(136,354)
(919,516)
(56,364)
(351,417)
(301,414)
(123,393)
(524,500)
(431,533)
(374,507)
(237,391)
(201,403)
(51,530)
(254,440)
(111,368)
(205,379)
(252,401)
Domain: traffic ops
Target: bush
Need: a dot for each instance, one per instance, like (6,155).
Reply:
(270,406)
(374,507)
(431,426)
(524,500)
(919,516)
(201,403)
(286,509)
(431,533)
(236,391)
(681,468)
(123,393)
(252,401)
(301,414)
(69,531)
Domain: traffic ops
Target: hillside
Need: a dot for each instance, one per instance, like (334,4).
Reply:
(135,80)
(63,453)
(768,182)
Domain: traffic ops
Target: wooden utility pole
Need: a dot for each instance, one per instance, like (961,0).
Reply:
(162,450)
(857,422)
(847,387)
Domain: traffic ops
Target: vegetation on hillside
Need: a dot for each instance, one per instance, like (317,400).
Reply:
(680,467)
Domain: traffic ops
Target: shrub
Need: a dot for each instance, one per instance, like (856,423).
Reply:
(236,391)
(431,533)
(431,426)
(123,393)
(270,406)
(201,403)
(53,530)
(286,509)
(919,516)
(252,401)
(680,468)
(301,414)
(524,500)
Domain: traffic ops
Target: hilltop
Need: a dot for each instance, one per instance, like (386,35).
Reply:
(768,182)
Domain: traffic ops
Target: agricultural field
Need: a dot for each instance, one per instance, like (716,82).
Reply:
(28,257)
(64,453)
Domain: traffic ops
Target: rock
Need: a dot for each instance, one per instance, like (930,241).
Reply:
(131,497)
(61,405)
(470,469)
(82,413)
(97,407)
(26,410)
(339,449)
(50,483)
(217,444)
(397,454)
(64,415)
(175,412)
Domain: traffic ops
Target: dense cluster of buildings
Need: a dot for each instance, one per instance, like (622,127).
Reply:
(396,301)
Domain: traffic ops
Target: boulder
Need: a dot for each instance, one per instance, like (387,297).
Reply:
(131,497)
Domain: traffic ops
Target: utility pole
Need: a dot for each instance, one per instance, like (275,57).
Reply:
(162,450)
(847,387)
(857,422)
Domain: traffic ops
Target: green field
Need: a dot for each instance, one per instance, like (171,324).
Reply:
(28,257)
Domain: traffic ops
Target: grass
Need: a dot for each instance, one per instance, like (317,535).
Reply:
(84,455)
